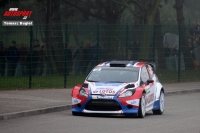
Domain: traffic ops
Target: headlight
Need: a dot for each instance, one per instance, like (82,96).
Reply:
(83,92)
(127,93)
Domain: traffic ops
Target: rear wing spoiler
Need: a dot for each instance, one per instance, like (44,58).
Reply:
(150,62)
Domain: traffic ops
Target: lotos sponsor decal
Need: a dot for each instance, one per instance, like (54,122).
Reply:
(150,98)
(104,91)
(107,91)
(75,101)
(95,91)
(133,102)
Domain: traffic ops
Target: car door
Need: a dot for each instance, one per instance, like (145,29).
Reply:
(149,88)
(153,77)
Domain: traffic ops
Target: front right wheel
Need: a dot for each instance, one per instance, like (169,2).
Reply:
(161,104)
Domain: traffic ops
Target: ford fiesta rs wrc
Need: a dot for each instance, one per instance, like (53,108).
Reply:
(120,87)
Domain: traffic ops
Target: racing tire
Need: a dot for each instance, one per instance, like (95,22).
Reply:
(161,102)
(142,107)
(76,114)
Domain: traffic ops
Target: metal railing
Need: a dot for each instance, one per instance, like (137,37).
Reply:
(50,64)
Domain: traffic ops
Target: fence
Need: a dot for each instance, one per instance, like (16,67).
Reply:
(51,64)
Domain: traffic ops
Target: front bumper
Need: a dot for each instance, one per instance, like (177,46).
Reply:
(106,105)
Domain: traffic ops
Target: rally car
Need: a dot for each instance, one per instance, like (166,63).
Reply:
(120,87)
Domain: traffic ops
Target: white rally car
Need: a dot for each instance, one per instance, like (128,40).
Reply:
(120,87)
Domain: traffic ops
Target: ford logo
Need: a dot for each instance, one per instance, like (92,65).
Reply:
(103,94)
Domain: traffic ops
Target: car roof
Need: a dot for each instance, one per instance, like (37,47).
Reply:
(128,63)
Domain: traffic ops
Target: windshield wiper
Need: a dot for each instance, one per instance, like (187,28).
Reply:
(115,81)
(92,80)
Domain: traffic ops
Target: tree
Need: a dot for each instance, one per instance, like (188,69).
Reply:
(159,40)
(144,14)
(147,19)
(52,15)
(4,3)
(109,14)
(182,34)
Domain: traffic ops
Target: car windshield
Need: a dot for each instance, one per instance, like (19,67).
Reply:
(113,74)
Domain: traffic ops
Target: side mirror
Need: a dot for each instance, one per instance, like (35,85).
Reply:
(150,81)
(141,82)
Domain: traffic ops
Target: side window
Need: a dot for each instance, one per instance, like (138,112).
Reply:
(150,71)
(144,74)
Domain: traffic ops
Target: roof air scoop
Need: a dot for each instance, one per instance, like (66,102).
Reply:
(118,63)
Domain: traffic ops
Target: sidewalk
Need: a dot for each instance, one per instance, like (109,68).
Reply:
(20,103)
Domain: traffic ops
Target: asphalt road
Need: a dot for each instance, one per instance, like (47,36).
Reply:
(182,115)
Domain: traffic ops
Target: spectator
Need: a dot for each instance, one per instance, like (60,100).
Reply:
(190,44)
(78,59)
(137,47)
(174,51)
(22,64)
(36,57)
(53,51)
(191,51)
(167,50)
(197,28)
(95,56)
(193,29)
(12,56)
(42,56)
(96,52)
(34,61)
(2,59)
(36,43)
(69,59)
(193,37)
(196,42)
(86,56)
(134,47)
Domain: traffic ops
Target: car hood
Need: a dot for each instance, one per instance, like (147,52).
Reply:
(106,88)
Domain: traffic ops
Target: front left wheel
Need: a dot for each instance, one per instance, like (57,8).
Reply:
(76,114)
(142,107)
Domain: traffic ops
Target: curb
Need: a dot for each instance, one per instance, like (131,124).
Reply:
(34,112)
(68,107)
(181,92)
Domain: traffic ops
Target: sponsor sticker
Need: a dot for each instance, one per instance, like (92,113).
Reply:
(102,97)
(150,98)
(104,91)
(75,100)
(133,102)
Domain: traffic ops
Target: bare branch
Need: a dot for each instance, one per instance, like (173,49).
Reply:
(85,11)
(133,1)
(137,3)
(120,11)
(127,6)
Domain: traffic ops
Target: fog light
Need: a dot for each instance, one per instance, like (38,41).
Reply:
(79,105)
(129,106)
